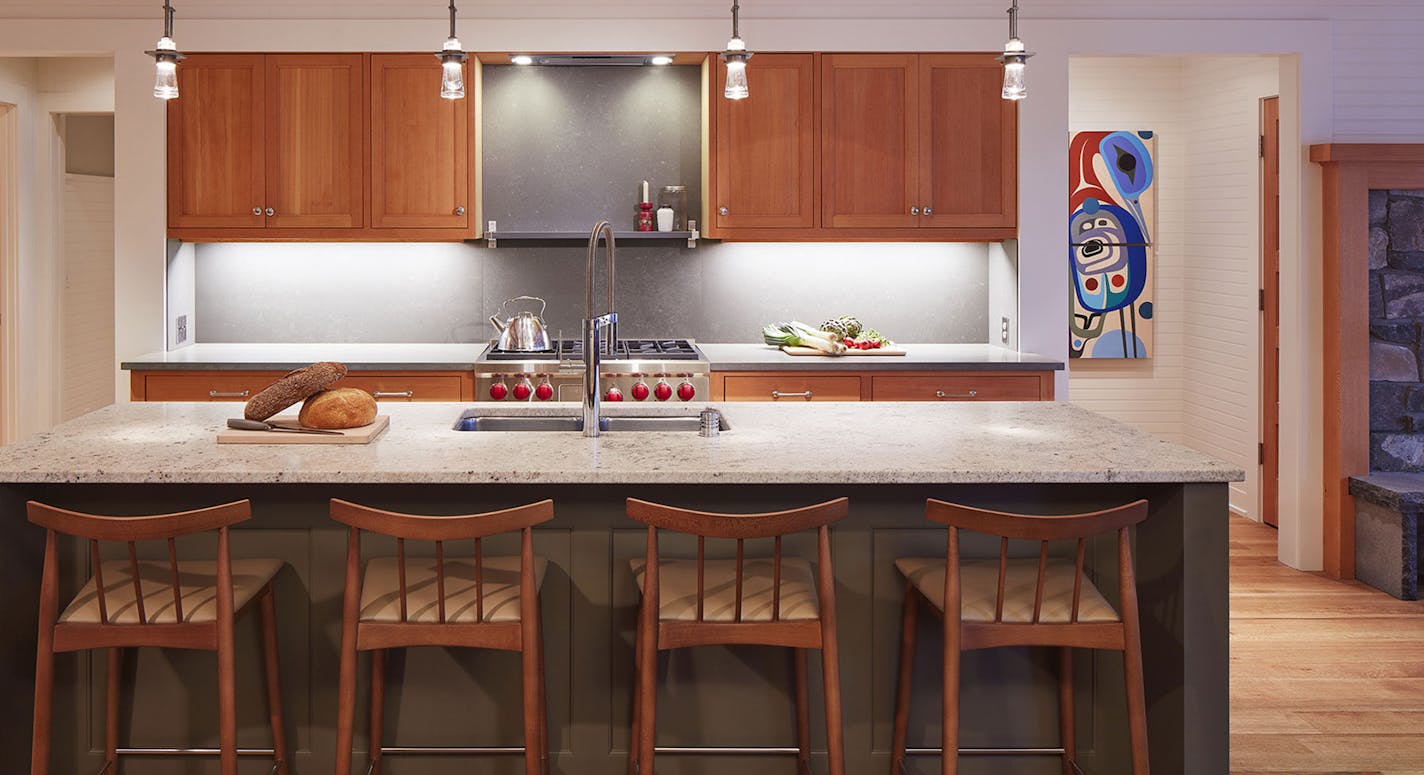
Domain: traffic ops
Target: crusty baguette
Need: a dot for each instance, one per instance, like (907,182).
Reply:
(292,388)
(337,409)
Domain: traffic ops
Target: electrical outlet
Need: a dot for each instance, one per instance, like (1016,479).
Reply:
(1004,330)
(180,329)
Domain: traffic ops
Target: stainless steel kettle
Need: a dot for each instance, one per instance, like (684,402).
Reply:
(524,331)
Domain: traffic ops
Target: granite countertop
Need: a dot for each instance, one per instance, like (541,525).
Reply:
(1403,491)
(918,357)
(810,443)
(285,357)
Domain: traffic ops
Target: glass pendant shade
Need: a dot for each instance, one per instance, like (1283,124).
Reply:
(736,57)
(1014,58)
(165,80)
(452,71)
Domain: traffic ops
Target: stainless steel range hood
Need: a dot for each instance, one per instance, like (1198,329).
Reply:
(597,60)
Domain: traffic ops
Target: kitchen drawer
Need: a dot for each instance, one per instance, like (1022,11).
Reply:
(211,386)
(406,387)
(792,387)
(957,387)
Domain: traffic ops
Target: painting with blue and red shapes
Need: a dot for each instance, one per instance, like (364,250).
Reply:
(1112,198)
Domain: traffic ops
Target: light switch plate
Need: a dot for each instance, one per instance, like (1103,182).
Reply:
(1004,330)
(180,329)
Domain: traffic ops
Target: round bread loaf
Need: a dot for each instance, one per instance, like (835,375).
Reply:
(293,388)
(337,409)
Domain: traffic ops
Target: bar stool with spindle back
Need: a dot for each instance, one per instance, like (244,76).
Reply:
(175,604)
(1023,602)
(771,602)
(479,602)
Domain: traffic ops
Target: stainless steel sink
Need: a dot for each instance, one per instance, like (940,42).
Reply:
(475,420)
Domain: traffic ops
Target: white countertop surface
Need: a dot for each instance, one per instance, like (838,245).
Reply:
(288,356)
(918,357)
(810,443)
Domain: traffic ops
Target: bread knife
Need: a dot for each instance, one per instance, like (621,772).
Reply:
(258,425)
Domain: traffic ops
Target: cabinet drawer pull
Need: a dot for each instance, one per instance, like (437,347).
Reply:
(256,211)
(393,394)
(929,211)
(230,394)
(459,211)
(271,212)
(806,394)
(942,394)
(722,211)
(914,211)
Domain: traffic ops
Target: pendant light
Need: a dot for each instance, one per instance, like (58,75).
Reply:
(736,57)
(452,63)
(165,58)
(1014,59)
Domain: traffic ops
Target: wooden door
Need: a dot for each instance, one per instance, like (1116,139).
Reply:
(1270,309)
(968,143)
(216,162)
(870,140)
(766,146)
(316,141)
(420,146)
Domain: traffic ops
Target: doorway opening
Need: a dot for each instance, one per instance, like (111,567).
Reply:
(85,245)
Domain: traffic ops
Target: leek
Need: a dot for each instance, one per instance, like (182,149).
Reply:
(788,335)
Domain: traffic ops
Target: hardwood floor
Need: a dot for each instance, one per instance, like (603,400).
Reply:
(1327,677)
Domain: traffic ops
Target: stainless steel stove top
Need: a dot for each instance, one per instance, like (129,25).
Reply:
(638,370)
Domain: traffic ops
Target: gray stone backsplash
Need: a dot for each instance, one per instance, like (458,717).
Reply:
(1396,307)
(263,292)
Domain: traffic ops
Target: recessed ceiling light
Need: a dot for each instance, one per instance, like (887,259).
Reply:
(522,59)
(660,59)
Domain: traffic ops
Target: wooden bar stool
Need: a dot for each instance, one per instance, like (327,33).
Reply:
(1023,602)
(771,602)
(174,604)
(479,602)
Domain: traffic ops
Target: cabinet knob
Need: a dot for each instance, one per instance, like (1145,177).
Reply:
(256,211)
(721,211)
(929,211)
(914,211)
(271,212)
(459,211)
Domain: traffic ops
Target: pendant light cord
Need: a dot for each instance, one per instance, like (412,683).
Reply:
(452,18)
(736,19)
(1014,20)
(168,18)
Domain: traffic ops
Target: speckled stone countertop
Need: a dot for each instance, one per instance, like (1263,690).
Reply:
(285,357)
(811,443)
(918,357)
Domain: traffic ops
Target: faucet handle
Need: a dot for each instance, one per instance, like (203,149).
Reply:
(604,320)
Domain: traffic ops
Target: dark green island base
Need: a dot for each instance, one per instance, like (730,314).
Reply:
(708,697)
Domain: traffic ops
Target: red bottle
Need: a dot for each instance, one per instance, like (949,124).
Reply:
(646,217)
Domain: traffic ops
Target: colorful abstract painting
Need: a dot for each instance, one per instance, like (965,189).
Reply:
(1112,200)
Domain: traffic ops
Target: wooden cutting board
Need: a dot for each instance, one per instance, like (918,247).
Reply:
(789,350)
(363,435)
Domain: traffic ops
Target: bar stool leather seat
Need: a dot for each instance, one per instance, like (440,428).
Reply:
(380,590)
(678,582)
(197,586)
(979,581)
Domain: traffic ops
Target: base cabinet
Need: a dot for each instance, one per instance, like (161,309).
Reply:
(883,386)
(209,385)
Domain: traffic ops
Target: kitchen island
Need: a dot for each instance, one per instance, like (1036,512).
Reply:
(887,458)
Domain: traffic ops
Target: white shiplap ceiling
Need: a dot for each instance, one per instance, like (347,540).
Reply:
(1342,10)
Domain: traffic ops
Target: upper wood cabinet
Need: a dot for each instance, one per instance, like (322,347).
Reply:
(871,135)
(766,175)
(217,143)
(318,147)
(968,143)
(421,147)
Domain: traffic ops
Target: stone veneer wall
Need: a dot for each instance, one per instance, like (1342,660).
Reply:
(1396,330)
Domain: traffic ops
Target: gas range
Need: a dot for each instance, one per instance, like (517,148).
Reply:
(652,370)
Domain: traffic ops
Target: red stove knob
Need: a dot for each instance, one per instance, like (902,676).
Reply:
(640,391)
(498,391)
(613,394)
(522,391)
(663,391)
(686,391)
(544,391)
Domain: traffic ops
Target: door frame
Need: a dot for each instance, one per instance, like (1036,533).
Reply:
(9,266)
(1270,317)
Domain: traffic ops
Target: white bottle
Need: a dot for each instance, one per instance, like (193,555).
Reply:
(665,218)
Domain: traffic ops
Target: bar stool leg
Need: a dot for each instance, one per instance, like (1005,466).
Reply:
(634,740)
(950,735)
(803,713)
(529,661)
(647,687)
(227,700)
(543,699)
(346,692)
(830,660)
(1065,709)
(272,667)
(44,660)
(908,628)
(1136,700)
(111,712)
(378,708)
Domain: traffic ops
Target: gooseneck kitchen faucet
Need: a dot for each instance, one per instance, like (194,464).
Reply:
(592,347)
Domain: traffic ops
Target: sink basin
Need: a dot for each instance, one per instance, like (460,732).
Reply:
(474,420)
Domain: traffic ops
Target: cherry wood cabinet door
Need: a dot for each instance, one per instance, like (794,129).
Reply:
(216,162)
(766,174)
(316,141)
(420,146)
(968,143)
(870,140)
